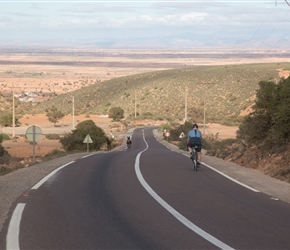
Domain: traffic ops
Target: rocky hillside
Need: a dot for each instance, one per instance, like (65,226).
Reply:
(276,165)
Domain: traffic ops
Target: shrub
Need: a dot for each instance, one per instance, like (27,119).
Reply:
(4,137)
(218,148)
(6,119)
(55,153)
(54,115)
(4,156)
(4,170)
(52,136)
(116,113)
(269,123)
(74,140)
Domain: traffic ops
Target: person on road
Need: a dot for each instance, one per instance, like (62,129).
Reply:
(129,142)
(194,138)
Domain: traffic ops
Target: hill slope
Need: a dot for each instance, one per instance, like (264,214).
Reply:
(226,91)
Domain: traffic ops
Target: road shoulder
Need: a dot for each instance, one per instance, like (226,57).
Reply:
(254,178)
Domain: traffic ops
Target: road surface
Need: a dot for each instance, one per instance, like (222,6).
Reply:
(147,197)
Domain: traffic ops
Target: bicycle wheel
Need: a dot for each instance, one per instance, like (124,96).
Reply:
(194,160)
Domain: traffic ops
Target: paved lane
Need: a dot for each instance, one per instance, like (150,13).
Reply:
(98,202)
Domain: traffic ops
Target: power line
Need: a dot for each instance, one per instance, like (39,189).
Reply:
(258,29)
(272,31)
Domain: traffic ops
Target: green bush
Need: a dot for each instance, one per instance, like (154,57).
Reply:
(116,113)
(4,156)
(269,123)
(52,136)
(6,119)
(5,136)
(219,148)
(55,153)
(74,140)
(4,170)
(54,115)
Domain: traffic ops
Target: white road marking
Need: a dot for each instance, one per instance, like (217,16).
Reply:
(43,180)
(230,178)
(275,199)
(86,156)
(171,210)
(12,238)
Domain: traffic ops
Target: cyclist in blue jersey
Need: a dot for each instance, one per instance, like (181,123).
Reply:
(194,138)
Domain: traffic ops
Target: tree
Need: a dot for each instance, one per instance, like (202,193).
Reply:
(74,140)
(116,113)
(269,123)
(6,119)
(54,115)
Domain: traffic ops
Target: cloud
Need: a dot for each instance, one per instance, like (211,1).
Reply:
(179,23)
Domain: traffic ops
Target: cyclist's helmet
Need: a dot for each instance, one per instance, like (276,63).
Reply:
(195,126)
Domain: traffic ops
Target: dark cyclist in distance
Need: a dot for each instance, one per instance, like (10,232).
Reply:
(129,142)
(194,138)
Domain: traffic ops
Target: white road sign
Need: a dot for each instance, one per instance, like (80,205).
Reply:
(88,139)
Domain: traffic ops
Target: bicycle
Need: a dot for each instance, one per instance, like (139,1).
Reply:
(194,158)
(129,142)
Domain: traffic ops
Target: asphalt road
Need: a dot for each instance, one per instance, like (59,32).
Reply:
(147,197)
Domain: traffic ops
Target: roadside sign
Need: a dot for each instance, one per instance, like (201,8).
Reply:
(33,133)
(88,140)
(167,134)
(181,135)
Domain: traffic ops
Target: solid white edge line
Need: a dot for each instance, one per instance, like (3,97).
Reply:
(44,179)
(171,210)
(230,178)
(12,238)
(223,174)
(86,156)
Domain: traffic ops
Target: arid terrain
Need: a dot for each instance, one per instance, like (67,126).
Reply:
(57,71)
(20,146)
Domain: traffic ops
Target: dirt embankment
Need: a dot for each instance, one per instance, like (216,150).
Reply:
(275,165)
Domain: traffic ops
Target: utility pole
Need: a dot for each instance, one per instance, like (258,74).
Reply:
(135,105)
(13,112)
(203,116)
(185,104)
(73,112)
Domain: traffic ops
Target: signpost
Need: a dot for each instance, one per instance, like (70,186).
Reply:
(33,134)
(88,140)
(167,134)
(181,135)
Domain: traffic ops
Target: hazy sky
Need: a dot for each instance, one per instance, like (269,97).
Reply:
(136,23)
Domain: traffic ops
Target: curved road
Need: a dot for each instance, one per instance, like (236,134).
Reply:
(147,197)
